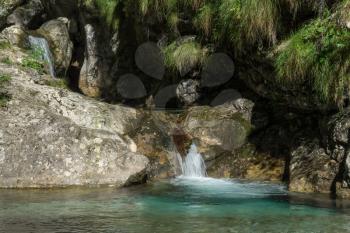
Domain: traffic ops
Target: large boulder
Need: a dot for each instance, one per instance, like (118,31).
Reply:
(51,137)
(312,170)
(219,129)
(94,69)
(6,8)
(26,15)
(57,34)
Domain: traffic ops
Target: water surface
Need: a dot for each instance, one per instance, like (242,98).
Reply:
(179,205)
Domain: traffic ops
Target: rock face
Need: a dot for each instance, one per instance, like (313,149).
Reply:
(312,170)
(57,33)
(27,14)
(6,8)
(218,129)
(94,70)
(247,163)
(51,137)
(338,143)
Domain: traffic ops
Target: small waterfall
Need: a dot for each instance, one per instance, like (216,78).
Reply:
(46,55)
(193,165)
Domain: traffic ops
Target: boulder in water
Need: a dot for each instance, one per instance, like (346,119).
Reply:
(218,129)
(312,170)
(51,137)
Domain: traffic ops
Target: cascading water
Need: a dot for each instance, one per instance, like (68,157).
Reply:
(193,165)
(46,55)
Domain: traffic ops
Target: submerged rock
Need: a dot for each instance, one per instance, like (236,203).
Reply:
(52,137)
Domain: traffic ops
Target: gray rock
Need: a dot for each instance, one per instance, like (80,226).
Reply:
(51,137)
(6,8)
(188,91)
(217,129)
(94,69)
(312,170)
(16,36)
(26,14)
(57,34)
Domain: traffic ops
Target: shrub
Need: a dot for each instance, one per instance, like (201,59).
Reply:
(319,55)
(183,56)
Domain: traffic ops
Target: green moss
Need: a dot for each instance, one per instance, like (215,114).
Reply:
(318,55)
(4,79)
(34,60)
(4,45)
(34,64)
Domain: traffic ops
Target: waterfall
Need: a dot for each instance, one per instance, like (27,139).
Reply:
(45,53)
(193,165)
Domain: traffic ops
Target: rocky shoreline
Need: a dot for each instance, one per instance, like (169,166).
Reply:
(56,134)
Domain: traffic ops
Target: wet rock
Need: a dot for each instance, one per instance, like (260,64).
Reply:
(52,137)
(218,129)
(154,141)
(188,91)
(57,34)
(27,14)
(312,170)
(247,163)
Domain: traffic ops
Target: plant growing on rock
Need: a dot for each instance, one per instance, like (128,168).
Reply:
(34,60)
(4,97)
(318,55)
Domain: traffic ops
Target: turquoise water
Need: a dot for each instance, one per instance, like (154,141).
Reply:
(179,205)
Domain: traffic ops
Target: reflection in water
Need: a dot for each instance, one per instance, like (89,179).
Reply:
(179,205)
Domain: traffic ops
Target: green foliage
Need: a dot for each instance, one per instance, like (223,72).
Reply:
(182,56)
(31,63)
(4,45)
(34,60)
(107,9)
(4,79)
(318,54)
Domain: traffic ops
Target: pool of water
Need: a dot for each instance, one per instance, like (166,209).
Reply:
(179,205)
